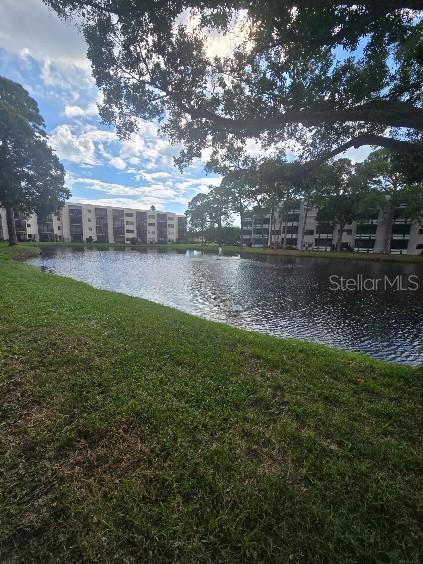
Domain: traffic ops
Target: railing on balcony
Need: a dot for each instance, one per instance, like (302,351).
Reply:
(368,221)
(401,236)
(365,236)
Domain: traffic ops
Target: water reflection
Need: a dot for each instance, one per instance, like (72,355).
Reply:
(282,296)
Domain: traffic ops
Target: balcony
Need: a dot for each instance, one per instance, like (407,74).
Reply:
(363,250)
(368,222)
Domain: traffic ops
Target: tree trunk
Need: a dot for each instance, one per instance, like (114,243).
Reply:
(11,227)
(285,229)
(241,219)
(280,228)
(388,221)
(219,229)
(270,236)
(274,243)
(304,225)
(339,237)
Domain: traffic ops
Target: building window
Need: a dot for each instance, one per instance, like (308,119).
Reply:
(400,244)
(151,225)
(151,217)
(292,230)
(129,223)
(59,228)
(129,215)
(130,231)
(309,232)
(294,217)
(89,211)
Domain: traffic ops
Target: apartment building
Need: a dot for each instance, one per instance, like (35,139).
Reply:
(302,230)
(82,222)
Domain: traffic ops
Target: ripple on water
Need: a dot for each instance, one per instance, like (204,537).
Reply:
(281,296)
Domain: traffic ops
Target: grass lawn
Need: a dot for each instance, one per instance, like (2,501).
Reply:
(131,432)
(252,251)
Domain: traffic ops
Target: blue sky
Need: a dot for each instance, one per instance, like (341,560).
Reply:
(47,56)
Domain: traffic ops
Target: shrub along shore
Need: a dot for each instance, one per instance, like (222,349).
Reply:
(247,250)
(134,432)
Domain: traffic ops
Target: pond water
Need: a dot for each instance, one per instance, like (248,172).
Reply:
(281,296)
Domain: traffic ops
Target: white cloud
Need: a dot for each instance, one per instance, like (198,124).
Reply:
(153,176)
(199,184)
(357,155)
(80,148)
(78,112)
(160,195)
(118,163)
(30,28)
(72,148)
(157,151)
(100,186)
(66,74)
(31,32)
(116,202)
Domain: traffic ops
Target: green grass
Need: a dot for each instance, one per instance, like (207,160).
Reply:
(253,251)
(131,432)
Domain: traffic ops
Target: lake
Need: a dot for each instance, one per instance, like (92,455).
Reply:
(304,298)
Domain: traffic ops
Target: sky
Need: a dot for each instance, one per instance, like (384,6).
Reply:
(48,57)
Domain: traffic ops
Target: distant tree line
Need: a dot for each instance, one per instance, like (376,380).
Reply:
(341,190)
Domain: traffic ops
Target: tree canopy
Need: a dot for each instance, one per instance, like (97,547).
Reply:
(389,191)
(324,75)
(31,175)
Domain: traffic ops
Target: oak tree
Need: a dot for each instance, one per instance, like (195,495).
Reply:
(327,75)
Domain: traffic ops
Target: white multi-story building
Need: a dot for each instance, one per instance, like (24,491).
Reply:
(82,222)
(302,230)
